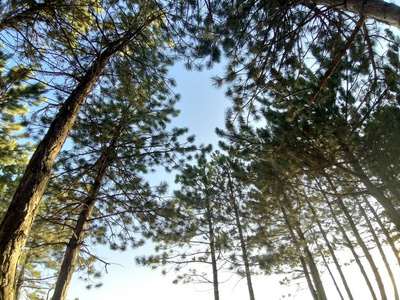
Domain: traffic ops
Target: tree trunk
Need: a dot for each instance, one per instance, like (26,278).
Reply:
(331,251)
(212,250)
(301,257)
(389,239)
(386,203)
(71,254)
(242,240)
(309,257)
(348,241)
(330,273)
(18,220)
(379,245)
(364,248)
(378,10)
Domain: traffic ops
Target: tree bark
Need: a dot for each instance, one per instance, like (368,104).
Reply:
(241,239)
(301,257)
(331,250)
(348,241)
(18,220)
(380,248)
(308,255)
(386,203)
(389,239)
(71,254)
(378,10)
(212,250)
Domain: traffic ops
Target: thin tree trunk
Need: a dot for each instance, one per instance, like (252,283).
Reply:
(18,220)
(382,253)
(360,242)
(385,231)
(386,203)
(330,273)
(348,241)
(309,257)
(365,249)
(242,240)
(71,254)
(213,253)
(331,251)
(301,257)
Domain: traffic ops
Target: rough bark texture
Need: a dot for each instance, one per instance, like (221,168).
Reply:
(378,10)
(17,222)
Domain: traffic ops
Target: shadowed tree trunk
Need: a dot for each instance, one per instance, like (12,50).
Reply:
(379,245)
(301,257)
(347,240)
(389,239)
(331,251)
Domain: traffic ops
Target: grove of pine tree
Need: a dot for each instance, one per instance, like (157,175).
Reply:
(310,166)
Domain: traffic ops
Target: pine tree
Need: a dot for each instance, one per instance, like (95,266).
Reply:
(88,54)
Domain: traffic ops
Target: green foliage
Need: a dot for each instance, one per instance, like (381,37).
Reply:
(16,94)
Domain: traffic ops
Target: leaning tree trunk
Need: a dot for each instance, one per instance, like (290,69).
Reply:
(71,254)
(347,240)
(386,203)
(308,255)
(301,257)
(380,248)
(389,239)
(241,239)
(331,250)
(18,220)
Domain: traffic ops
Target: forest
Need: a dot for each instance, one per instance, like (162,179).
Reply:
(306,178)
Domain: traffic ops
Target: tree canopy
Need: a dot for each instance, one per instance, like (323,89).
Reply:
(309,168)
